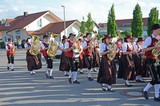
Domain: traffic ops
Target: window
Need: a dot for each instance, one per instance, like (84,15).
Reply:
(18,32)
(39,22)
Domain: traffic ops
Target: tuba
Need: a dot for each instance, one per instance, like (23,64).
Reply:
(53,46)
(156,52)
(112,48)
(35,45)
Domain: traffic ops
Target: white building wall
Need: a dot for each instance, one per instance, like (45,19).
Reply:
(39,23)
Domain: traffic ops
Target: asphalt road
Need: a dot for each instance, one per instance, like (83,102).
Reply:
(19,88)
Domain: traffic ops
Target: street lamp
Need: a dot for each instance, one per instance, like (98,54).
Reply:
(64,19)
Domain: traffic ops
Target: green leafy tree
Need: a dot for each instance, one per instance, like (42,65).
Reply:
(83,26)
(89,23)
(137,25)
(153,19)
(111,24)
(126,32)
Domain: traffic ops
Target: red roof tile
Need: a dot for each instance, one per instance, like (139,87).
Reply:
(121,22)
(22,21)
(56,28)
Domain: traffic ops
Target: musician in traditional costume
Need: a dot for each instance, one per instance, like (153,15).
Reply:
(128,66)
(10,51)
(138,59)
(88,49)
(33,60)
(72,59)
(63,60)
(49,60)
(151,47)
(107,70)
(96,56)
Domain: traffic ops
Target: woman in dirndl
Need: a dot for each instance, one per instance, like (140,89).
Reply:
(107,70)
(128,66)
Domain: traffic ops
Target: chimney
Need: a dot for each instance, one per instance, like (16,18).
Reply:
(25,13)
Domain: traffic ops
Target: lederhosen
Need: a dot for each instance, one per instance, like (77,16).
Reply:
(96,58)
(138,62)
(10,55)
(49,60)
(88,57)
(127,59)
(152,64)
(72,62)
(33,62)
(107,71)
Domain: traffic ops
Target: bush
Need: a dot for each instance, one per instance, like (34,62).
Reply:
(2,44)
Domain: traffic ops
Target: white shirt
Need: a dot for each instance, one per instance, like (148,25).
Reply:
(61,45)
(11,45)
(103,47)
(84,44)
(26,45)
(66,45)
(147,41)
(137,47)
(124,46)
(42,46)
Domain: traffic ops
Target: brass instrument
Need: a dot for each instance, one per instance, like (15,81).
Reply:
(35,45)
(156,52)
(112,48)
(76,48)
(53,46)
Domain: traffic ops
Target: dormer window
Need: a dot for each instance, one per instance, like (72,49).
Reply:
(7,24)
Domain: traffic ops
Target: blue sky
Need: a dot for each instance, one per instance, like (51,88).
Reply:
(76,9)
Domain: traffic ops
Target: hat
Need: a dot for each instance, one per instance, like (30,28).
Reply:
(129,37)
(140,39)
(155,26)
(106,37)
(45,36)
(71,34)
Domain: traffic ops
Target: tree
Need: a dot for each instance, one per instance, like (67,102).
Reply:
(153,19)
(89,23)
(111,24)
(83,26)
(137,25)
(126,32)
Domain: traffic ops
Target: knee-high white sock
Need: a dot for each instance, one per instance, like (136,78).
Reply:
(50,74)
(109,86)
(12,66)
(70,74)
(74,76)
(127,82)
(156,89)
(148,86)
(89,73)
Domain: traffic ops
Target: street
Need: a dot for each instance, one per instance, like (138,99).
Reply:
(19,88)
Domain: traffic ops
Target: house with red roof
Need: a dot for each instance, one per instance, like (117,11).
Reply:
(26,25)
(124,24)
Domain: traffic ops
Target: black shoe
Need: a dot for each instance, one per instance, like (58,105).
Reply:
(157,99)
(104,89)
(95,70)
(81,72)
(76,82)
(12,69)
(90,79)
(110,90)
(7,68)
(128,85)
(51,77)
(145,94)
(70,80)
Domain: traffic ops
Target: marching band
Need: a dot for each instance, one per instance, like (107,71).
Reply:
(126,58)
